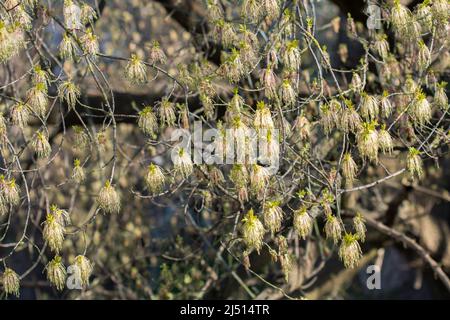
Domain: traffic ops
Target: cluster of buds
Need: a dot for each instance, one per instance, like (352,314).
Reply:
(440,97)
(423,56)
(20,115)
(167,113)
(156,54)
(154,178)
(9,193)
(10,43)
(232,67)
(414,163)
(287,92)
(67,47)
(252,10)
(263,117)
(252,231)
(239,176)
(41,145)
(420,109)
(291,55)
(367,141)
(269,80)
(359,226)
(349,120)
(56,273)
(385,140)
(11,282)
(259,178)
(78,174)
(350,251)
(37,98)
(136,70)
(182,163)
(303,222)
(385,104)
(273,216)
(83,269)
(225,33)
(88,14)
(349,169)
(89,43)
(369,106)
(147,121)
(108,199)
(81,138)
(69,92)
(333,228)
(53,232)
(381,46)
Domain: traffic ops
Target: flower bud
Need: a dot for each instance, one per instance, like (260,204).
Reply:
(135,70)
(291,55)
(287,92)
(81,139)
(350,251)
(252,231)
(263,117)
(40,145)
(349,168)
(83,269)
(270,8)
(367,141)
(11,282)
(69,92)
(182,163)
(147,121)
(333,228)
(385,142)
(155,178)
(369,106)
(356,83)
(53,233)
(78,174)
(56,273)
(67,47)
(386,106)
(414,163)
(37,98)
(88,14)
(72,15)
(9,191)
(440,97)
(420,109)
(400,16)
(20,115)
(423,56)
(167,113)
(349,121)
(303,223)
(108,199)
(60,215)
(273,216)
(269,80)
(259,178)
(360,227)
(381,46)
(156,55)
(89,43)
